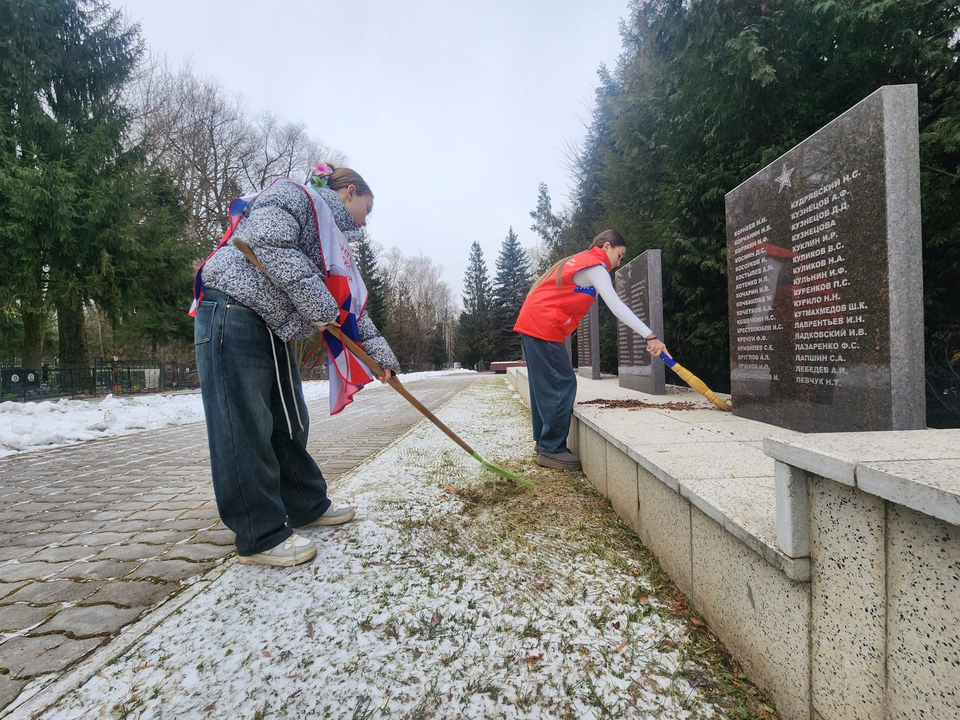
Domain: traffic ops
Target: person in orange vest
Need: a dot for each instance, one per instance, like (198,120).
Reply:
(554,307)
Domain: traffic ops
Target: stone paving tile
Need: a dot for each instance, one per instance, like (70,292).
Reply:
(126,525)
(54,591)
(11,572)
(131,551)
(8,589)
(187,524)
(60,554)
(163,539)
(15,552)
(198,551)
(99,539)
(82,507)
(83,622)
(153,498)
(41,540)
(218,535)
(158,515)
(55,516)
(169,570)
(14,618)
(9,689)
(131,505)
(26,657)
(202,513)
(99,570)
(109,497)
(108,515)
(78,526)
(131,593)
(29,526)
(190,505)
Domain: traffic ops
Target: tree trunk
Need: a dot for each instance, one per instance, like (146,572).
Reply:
(34,325)
(73,350)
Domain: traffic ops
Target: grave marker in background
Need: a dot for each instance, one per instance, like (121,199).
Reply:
(588,344)
(640,287)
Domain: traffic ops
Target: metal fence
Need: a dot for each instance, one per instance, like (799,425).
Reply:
(18,383)
(119,378)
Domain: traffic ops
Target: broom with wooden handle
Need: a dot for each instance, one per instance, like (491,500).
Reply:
(394,381)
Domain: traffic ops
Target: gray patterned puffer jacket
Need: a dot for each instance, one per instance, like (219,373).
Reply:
(280,227)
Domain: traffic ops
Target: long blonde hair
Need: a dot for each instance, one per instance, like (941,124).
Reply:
(607,236)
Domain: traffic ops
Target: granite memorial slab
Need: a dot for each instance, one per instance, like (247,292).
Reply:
(588,344)
(825,277)
(640,287)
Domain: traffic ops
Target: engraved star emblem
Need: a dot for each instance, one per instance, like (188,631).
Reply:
(783,179)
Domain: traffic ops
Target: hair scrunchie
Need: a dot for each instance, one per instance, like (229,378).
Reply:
(319,174)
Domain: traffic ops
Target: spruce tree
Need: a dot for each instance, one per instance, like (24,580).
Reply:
(510,288)
(159,273)
(366,260)
(548,226)
(438,346)
(476,340)
(67,219)
(400,329)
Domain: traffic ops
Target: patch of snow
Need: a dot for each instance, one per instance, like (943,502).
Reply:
(30,426)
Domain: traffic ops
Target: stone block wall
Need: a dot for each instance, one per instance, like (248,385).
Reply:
(875,632)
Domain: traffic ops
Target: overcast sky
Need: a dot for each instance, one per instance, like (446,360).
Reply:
(453,112)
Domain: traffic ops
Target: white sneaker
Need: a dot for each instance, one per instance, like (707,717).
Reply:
(294,550)
(333,516)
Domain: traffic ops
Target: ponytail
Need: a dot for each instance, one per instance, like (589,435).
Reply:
(607,236)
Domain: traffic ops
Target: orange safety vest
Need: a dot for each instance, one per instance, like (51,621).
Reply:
(552,313)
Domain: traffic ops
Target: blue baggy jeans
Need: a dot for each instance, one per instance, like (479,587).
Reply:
(553,390)
(264,479)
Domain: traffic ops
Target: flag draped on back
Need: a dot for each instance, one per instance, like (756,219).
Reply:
(236,208)
(347,374)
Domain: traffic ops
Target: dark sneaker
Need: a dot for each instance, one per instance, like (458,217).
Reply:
(333,516)
(561,460)
(294,550)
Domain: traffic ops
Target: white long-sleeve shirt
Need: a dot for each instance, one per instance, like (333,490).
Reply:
(598,277)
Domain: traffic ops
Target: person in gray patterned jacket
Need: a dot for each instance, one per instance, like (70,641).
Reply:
(265,481)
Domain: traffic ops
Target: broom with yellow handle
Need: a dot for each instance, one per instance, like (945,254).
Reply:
(696,383)
(394,381)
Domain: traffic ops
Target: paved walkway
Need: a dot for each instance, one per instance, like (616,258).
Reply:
(93,535)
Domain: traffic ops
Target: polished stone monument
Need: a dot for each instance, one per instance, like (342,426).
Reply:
(825,277)
(639,286)
(588,344)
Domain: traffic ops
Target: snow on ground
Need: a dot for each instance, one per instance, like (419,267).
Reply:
(454,594)
(48,424)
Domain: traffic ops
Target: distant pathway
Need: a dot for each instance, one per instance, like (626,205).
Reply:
(93,535)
